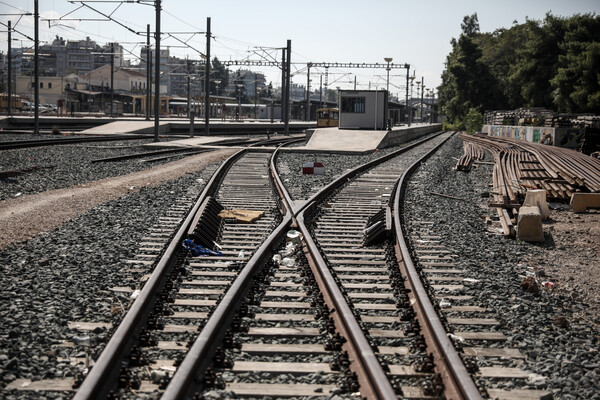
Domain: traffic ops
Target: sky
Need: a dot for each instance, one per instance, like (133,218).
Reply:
(349,31)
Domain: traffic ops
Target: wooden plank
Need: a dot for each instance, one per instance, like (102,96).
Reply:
(437,265)
(195,303)
(280,367)
(492,352)
(381,270)
(214,273)
(443,271)
(494,336)
(502,372)
(50,385)
(285,317)
(517,394)
(171,345)
(401,350)
(200,292)
(368,286)
(452,288)
(180,328)
(379,320)
(285,304)
(283,332)
(404,370)
(280,389)
(188,314)
(374,306)
(386,333)
(358,295)
(358,262)
(295,348)
(365,277)
(205,282)
(284,293)
(472,321)
(466,309)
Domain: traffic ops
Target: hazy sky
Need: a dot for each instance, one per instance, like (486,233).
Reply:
(414,32)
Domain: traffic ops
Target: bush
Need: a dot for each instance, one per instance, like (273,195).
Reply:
(473,121)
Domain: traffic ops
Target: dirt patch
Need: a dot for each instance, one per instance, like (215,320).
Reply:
(25,217)
(572,257)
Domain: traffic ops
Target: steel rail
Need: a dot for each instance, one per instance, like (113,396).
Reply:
(199,357)
(373,381)
(458,382)
(103,376)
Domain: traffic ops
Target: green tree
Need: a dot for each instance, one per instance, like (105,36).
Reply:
(577,81)
(218,73)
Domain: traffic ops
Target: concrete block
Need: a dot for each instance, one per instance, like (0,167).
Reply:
(537,197)
(529,224)
(582,201)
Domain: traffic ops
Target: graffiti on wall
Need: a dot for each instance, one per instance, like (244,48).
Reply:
(562,137)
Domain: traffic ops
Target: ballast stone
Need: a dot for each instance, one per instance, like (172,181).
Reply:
(529,225)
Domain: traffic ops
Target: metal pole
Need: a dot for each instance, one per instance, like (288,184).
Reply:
(10,99)
(388,77)
(307,111)
(188,95)
(157,73)
(321,91)
(422,90)
(287,85)
(112,77)
(148,74)
(255,95)
(354,82)
(36,91)
(283,64)
(207,81)
(407,79)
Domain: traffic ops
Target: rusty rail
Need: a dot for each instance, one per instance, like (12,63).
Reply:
(458,383)
(103,376)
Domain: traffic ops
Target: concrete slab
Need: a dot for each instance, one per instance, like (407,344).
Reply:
(335,139)
(125,127)
(196,141)
(582,201)
(529,225)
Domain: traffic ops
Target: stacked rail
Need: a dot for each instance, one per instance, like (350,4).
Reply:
(520,166)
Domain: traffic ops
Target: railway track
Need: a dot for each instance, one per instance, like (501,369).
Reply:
(254,314)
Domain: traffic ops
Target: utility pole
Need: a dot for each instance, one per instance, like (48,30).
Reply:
(157,73)
(287,87)
(112,77)
(148,74)
(307,112)
(36,91)
(283,96)
(422,90)
(10,99)
(255,95)
(406,105)
(207,80)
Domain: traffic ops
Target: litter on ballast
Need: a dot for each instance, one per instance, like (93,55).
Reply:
(198,250)
(247,216)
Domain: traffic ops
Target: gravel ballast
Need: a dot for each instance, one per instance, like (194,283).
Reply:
(567,356)
(56,167)
(65,274)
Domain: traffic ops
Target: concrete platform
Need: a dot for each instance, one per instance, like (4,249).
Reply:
(335,139)
(126,127)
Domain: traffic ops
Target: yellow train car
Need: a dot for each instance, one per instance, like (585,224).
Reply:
(328,117)
(16,102)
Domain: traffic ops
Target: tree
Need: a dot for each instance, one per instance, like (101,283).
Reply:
(219,73)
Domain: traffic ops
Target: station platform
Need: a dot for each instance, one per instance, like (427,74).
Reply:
(347,140)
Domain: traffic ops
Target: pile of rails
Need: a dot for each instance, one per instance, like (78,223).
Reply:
(521,165)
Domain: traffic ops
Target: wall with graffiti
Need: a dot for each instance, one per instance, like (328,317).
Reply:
(562,137)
